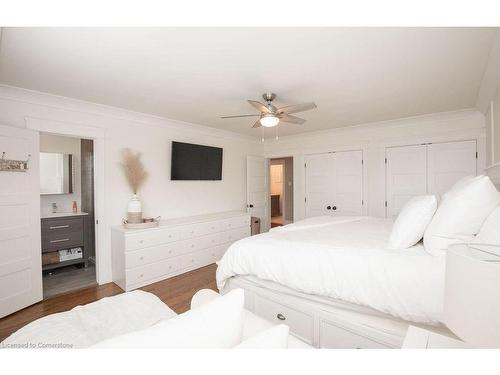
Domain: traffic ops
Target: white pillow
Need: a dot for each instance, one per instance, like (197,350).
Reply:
(490,231)
(461,213)
(412,221)
(217,324)
(272,338)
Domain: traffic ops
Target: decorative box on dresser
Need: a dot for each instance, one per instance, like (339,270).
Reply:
(145,256)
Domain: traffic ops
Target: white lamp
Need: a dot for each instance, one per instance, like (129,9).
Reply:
(472,294)
(269,120)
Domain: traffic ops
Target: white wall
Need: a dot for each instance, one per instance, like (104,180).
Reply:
(488,102)
(373,139)
(152,136)
(66,145)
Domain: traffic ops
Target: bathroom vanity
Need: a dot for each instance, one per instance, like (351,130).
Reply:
(63,231)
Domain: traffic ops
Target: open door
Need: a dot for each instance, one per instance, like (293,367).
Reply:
(258,190)
(20,254)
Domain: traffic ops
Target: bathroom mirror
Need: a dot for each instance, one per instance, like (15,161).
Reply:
(56,173)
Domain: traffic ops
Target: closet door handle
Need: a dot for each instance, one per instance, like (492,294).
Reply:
(328,207)
(334,208)
(250,205)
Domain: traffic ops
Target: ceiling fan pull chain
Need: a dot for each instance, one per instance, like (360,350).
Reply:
(277,133)
(262,136)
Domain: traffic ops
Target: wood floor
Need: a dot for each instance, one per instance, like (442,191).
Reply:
(68,279)
(175,292)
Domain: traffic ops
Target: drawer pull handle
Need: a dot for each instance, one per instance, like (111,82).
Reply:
(141,241)
(59,226)
(281,317)
(61,240)
(142,275)
(141,258)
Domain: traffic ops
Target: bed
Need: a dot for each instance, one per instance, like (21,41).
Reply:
(337,282)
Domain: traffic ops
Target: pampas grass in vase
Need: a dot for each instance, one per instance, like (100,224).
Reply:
(136,175)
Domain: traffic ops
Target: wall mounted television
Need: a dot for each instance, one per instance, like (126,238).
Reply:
(192,162)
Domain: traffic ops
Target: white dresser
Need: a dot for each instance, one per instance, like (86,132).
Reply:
(141,257)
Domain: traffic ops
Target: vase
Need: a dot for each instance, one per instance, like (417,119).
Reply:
(134,210)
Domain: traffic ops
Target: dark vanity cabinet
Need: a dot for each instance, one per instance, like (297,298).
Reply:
(63,233)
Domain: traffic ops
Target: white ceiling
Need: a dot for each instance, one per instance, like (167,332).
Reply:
(355,75)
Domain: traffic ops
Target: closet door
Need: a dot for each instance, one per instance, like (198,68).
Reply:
(406,176)
(449,162)
(319,170)
(348,183)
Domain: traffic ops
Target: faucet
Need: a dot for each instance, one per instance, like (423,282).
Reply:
(54,208)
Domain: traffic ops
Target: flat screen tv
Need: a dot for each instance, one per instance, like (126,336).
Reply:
(195,162)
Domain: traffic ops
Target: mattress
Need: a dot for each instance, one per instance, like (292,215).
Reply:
(343,259)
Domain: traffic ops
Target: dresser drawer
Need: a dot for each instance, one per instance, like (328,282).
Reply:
(200,229)
(333,336)
(62,225)
(236,222)
(150,238)
(61,240)
(218,252)
(152,271)
(233,235)
(301,324)
(149,255)
(198,259)
(200,243)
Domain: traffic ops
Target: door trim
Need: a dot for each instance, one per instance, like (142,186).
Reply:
(98,135)
(283,156)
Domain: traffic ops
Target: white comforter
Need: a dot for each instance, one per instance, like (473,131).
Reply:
(344,258)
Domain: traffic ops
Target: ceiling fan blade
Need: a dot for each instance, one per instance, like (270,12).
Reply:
(259,106)
(292,119)
(257,124)
(297,108)
(235,116)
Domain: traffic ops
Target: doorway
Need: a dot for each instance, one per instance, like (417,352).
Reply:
(67,213)
(281,191)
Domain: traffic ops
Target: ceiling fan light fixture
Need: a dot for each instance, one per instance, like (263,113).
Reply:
(269,120)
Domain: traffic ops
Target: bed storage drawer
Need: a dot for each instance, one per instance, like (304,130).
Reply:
(301,324)
(338,336)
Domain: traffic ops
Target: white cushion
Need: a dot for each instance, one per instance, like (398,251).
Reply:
(412,221)
(461,213)
(490,231)
(217,324)
(272,338)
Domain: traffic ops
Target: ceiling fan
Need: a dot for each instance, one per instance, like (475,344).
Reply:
(270,116)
